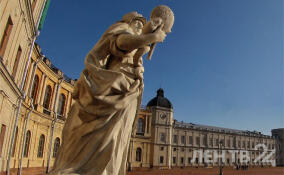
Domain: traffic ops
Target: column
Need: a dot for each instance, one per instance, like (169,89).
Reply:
(169,148)
(43,90)
(54,100)
(131,158)
(185,149)
(177,148)
(40,88)
(157,135)
(67,104)
(146,124)
(142,155)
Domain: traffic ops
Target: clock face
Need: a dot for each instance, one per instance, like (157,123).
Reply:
(163,115)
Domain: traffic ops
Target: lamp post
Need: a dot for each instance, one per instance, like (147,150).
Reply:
(220,166)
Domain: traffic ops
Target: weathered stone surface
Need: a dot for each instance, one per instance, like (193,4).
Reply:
(108,94)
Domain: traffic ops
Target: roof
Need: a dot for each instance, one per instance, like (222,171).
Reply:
(216,129)
(160,100)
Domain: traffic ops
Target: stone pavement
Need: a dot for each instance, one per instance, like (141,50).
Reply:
(212,171)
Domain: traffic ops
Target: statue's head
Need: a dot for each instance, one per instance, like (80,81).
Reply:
(166,14)
(135,20)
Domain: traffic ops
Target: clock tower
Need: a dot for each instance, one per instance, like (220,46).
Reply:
(162,120)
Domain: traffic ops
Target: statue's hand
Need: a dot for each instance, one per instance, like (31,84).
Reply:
(159,34)
(156,22)
(144,50)
(152,25)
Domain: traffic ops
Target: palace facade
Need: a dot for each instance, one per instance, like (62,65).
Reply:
(35,98)
(160,141)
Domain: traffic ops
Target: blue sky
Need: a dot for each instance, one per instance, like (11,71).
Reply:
(222,65)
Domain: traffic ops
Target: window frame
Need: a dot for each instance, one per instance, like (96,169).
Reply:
(41,143)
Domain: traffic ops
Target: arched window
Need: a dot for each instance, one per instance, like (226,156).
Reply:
(34,88)
(27,144)
(56,146)
(41,146)
(61,104)
(140,126)
(15,142)
(138,154)
(47,97)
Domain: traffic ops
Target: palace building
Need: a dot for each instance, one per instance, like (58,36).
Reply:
(36,96)
(42,115)
(160,141)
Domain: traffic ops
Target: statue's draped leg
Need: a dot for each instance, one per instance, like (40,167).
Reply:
(97,132)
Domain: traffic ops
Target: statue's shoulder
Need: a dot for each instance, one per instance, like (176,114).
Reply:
(99,54)
(119,28)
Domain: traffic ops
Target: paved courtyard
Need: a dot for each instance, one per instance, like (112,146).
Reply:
(212,171)
(178,171)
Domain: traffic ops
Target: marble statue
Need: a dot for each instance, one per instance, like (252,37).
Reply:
(107,95)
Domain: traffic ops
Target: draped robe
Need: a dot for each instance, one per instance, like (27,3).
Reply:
(97,132)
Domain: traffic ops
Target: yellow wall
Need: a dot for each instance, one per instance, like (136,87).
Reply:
(22,33)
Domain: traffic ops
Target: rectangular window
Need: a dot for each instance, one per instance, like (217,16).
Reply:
(163,137)
(235,142)
(244,144)
(211,141)
(2,137)
(189,160)
(223,142)
(217,142)
(174,149)
(175,139)
(174,160)
(181,160)
(196,160)
(239,143)
(190,140)
(182,139)
(197,140)
(205,140)
(5,37)
(161,159)
(229,143)
(161,148)
(16,63)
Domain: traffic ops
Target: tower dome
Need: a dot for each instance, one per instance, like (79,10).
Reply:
(160,100)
